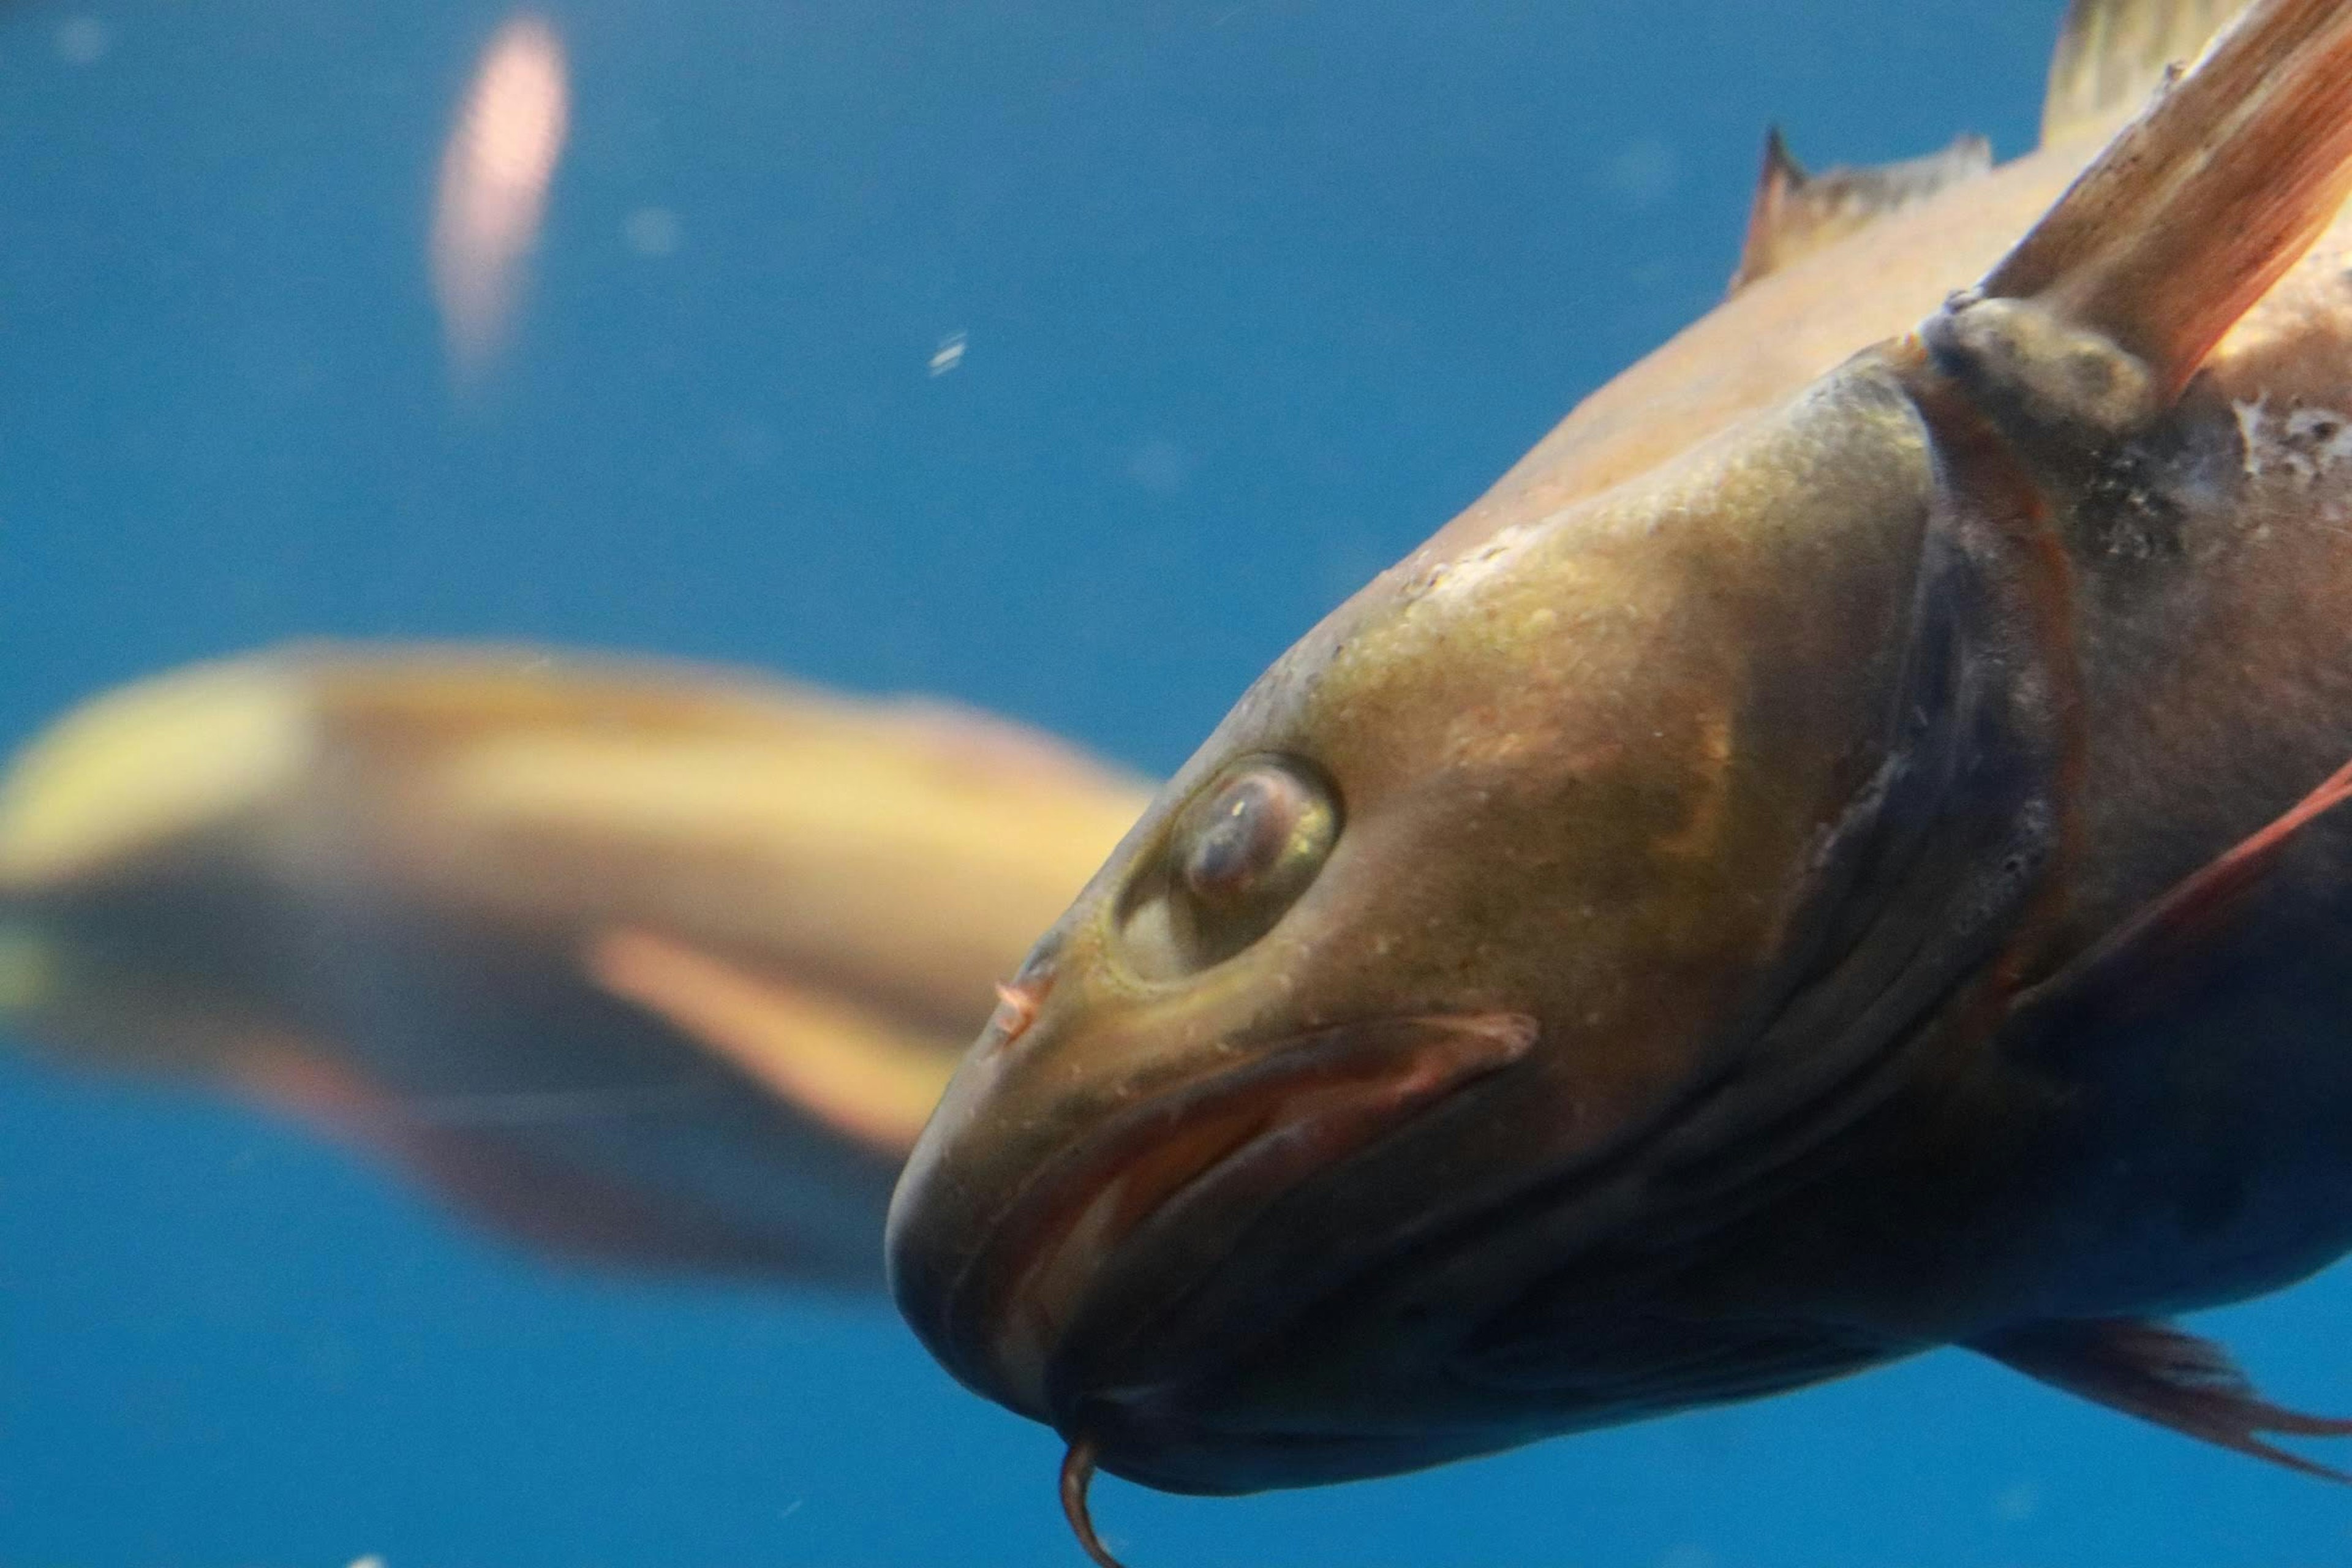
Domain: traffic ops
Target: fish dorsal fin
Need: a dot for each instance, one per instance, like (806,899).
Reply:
(1796,213)
(2158,1374)
(2112,54)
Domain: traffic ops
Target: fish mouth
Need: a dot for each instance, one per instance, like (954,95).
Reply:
(1102,1241)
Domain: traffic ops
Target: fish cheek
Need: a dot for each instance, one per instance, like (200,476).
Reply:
(1540,889)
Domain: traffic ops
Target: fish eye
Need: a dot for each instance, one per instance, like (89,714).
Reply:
(1238,855)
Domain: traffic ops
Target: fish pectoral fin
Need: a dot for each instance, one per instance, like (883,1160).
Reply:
(2158,1374)
(1796,213)
(2112,54)
(2210,923)
(2102,313)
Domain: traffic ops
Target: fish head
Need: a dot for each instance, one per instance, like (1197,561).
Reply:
(1479,897)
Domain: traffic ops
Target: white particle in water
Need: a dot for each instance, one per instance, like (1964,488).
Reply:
(83,40)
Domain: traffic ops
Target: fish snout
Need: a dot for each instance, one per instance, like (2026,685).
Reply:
(1065,1274)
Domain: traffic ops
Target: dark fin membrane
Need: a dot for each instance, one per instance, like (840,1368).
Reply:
(2202,204)
(2168,947)
(1796,214)
(2112,54)
(1077,1475)
(2158,1374)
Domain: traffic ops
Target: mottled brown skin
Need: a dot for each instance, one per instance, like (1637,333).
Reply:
(1773,752)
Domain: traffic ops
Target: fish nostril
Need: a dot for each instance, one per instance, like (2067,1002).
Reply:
(1017,1002)
(1019,998)
(1016,1009)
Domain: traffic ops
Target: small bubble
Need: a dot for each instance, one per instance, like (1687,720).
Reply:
(950,354)
(83,40)
(652,231)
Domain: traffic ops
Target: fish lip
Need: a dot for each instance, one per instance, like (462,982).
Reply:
(1232,1136)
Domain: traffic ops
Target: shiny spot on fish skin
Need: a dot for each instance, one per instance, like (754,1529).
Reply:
(495,172)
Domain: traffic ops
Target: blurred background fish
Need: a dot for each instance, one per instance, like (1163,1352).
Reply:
(644,963)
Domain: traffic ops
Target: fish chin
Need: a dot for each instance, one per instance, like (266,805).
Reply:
(1082,1282)
(1169,1440)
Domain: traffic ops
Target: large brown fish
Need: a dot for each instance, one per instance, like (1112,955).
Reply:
(1833,855)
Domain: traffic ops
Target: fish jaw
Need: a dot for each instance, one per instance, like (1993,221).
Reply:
(1111,1232)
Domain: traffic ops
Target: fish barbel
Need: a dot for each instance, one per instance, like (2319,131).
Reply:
(1833,855)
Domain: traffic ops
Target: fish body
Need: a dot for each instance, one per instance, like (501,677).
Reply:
(1833,855)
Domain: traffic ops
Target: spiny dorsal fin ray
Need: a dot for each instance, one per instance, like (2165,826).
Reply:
(2158,1374)
(2194,212)
(2112,54)
(1796,213)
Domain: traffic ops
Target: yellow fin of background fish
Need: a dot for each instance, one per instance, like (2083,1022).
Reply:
(550,931)
(849,1066)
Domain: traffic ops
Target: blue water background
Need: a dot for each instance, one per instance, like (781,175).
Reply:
(1255,295)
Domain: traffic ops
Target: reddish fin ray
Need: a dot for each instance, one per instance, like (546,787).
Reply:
(2197,908)
(2205,200)
(2158,1374)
